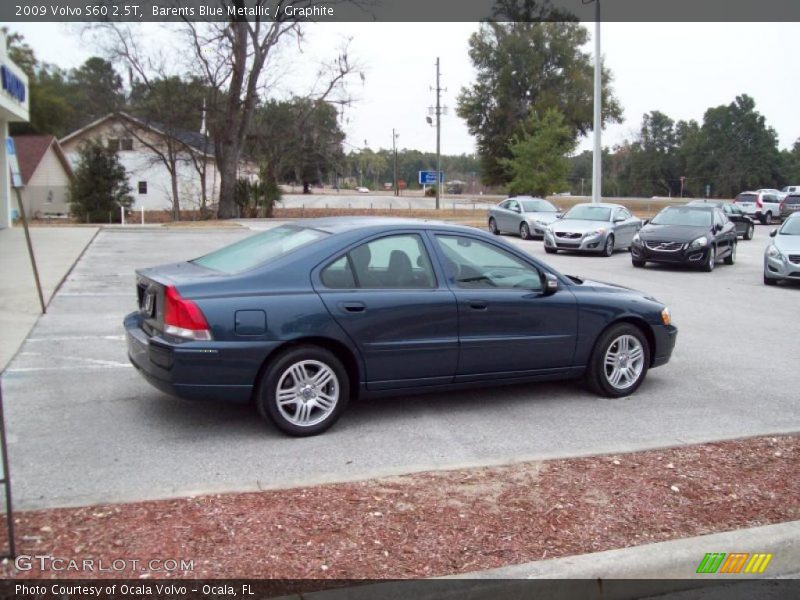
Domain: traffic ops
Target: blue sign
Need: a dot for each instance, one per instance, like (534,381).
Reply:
(12,84)
(429,177)
(13,163)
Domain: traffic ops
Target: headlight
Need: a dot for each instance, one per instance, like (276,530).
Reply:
(666,317)
(636,239)
(599,231)
(774,252)
(700,242)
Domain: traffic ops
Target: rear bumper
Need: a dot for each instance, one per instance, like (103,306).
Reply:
(194,370)
(664,337)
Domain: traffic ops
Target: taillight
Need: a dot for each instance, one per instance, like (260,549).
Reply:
(758,201)
(780,206)
(183,318)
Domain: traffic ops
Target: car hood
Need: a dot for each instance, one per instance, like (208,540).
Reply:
(671,233)
(578,225)
(613,288)
(787,243)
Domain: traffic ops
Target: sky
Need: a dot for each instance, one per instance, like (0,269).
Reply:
(681,69)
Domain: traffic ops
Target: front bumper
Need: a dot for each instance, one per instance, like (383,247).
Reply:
(585,243)
(664,338)
(683,256)
(194,370)
(781,268)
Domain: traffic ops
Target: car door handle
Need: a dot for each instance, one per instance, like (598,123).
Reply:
(478,304)
(353,307)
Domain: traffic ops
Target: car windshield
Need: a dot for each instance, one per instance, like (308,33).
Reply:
(692,217)
(537,206)
(790,227)
(258,249)
(587,212)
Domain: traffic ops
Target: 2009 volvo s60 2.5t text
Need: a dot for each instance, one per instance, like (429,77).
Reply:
(305,315)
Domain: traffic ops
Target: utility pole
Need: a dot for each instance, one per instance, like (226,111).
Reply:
(394,152)
(438,137)
(597,158)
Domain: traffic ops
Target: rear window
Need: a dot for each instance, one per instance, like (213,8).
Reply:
(259,249)
(792,200)
(746,198)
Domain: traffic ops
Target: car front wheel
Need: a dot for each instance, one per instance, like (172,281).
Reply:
(711,260)
(770,281)
(731,258)
(304,391)
(619,361)
(493,226)
(608,249)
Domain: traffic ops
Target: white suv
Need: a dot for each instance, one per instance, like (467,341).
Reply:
(764,205)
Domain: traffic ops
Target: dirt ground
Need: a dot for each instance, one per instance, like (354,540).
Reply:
(434,523)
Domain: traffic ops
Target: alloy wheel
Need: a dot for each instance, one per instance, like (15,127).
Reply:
(307,393)
(624,362)
(524,231)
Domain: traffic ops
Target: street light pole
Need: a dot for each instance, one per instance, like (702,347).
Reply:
(394,152)
(438,137)
(597,157)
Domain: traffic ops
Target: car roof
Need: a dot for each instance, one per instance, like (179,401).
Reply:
(344,224)
(525,198)
(707,202)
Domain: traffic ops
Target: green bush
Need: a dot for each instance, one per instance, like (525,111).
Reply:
(100,186)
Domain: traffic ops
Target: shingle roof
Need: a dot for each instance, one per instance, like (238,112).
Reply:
(30,151)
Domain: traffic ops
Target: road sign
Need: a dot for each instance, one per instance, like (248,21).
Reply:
(429,177)
(13,163)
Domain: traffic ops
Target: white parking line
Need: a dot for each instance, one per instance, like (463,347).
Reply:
(96,294)
(68,338)
(69,368)
(91,361)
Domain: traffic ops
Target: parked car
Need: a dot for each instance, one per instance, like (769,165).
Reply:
(303,316)
(790,189)
(764,206)
(691,234)
(598,227)
(782,256)
(790,205)
(745,226)
(362,190)
(523,215)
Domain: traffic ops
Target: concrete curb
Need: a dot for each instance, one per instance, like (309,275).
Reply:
(636,572)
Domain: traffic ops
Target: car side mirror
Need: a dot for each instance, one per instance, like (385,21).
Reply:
(645,222)
(560,216)
(619,219)
(773,233)
(550,284)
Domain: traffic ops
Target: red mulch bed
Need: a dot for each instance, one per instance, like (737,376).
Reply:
(436,523)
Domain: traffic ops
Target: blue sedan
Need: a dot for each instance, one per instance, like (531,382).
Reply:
(305,316)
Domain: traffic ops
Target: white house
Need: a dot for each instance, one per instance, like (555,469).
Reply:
(14,93)
(139,144)
(46,174)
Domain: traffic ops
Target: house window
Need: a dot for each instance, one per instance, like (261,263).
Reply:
(142,187)
(113,144)
(126,144)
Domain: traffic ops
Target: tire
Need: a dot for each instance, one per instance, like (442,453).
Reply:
(770,281)
(768,219)
(731,258)
(709,265)
(493,226)
(603,367)
(524,231)
(608,249)
(290,369)
(748,235)
(550,250)
(639,264)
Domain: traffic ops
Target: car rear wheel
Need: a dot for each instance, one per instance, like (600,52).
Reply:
(524,231)
(608,249)
(619,361)
(304,391)
(550,250)
(493,226)
(731,258)
(711,261)
(767,220)
(748,235)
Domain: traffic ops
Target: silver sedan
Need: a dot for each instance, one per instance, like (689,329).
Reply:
(782,256)
(525,216)
(599,227)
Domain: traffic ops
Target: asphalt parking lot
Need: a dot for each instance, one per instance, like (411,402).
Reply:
(83,427)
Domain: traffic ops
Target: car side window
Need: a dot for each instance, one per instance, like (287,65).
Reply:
(393,262)
(513,205)
(479,265)
(622,213)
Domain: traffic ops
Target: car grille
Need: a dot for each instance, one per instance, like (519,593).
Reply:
(664,246)
(795,258)
(568,235)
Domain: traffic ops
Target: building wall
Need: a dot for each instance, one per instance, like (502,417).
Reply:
(47,191)
(143,165)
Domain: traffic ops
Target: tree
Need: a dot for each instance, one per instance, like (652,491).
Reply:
(653,168)
(100,186)
(96,89)
(539,163)
(524,66)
